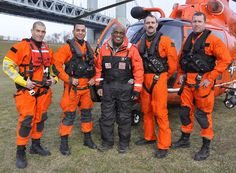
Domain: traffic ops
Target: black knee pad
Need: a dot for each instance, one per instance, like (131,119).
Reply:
(68,120)
(40,125)
(201,117)
(26,127)
(185,115)
(123,118)
(86,115)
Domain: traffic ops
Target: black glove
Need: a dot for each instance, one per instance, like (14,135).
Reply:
(135,95)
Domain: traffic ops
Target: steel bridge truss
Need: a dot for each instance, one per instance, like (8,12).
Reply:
(53,10)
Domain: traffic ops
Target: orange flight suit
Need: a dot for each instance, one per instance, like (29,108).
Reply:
(32,109)
(154,105)
(73,97)
(202,97)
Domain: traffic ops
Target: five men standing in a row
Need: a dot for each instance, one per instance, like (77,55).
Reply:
(121,73)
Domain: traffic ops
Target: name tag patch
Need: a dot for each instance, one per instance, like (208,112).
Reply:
(122,65)
(108,65)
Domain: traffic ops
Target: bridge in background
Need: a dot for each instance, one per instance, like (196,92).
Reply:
(57,11)
(52,10)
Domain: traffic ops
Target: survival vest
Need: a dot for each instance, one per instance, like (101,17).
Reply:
(194,59)
(80,65)
(117,68)
(39,57)
(152,61)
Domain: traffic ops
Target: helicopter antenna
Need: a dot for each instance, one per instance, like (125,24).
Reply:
(101,9)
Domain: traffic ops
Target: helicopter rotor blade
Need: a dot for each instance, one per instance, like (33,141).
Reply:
(101,9)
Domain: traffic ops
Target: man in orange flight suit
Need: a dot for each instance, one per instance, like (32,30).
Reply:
(78,58)
(119,78)
(159,59)
(33,97)
(203,58)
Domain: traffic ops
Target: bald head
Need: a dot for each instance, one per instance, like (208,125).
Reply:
(118,28)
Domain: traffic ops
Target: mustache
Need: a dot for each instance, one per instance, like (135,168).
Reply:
(150,27)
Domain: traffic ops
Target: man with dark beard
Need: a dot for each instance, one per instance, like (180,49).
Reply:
(119,78)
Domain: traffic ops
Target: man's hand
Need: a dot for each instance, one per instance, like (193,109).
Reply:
(30,84)
(75,82)
(100,92)
(91,82)
(51,81)
(205,83)
(181,79)
(135,95)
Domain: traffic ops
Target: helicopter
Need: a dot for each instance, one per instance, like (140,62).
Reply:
(221,20)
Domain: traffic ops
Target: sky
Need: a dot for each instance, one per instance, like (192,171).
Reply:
(19,27)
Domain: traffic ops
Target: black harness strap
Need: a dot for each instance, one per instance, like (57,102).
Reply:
(154,45)
(199,45)
(154,81)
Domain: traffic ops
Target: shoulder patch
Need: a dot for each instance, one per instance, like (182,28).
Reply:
(13,49)
(172,44)
(207,44)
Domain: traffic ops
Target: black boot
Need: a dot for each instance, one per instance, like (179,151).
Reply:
(88,141)
(123,149)
(205,150)
(64,147)
(160,153)
(21,161)
(36,148)
(104,147)
(143,141)
(183,142)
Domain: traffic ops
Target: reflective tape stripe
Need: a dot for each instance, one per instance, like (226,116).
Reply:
(138,85)
(43,51)
(99,79)
(9,68)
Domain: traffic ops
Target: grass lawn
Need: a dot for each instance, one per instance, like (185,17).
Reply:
(139,159)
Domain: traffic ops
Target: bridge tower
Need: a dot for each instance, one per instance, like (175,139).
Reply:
(121,13)
(92,34)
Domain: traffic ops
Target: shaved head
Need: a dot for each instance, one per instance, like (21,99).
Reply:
(118,28)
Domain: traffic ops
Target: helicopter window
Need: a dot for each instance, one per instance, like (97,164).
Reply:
(174,32)
(217,33)
(134,33)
